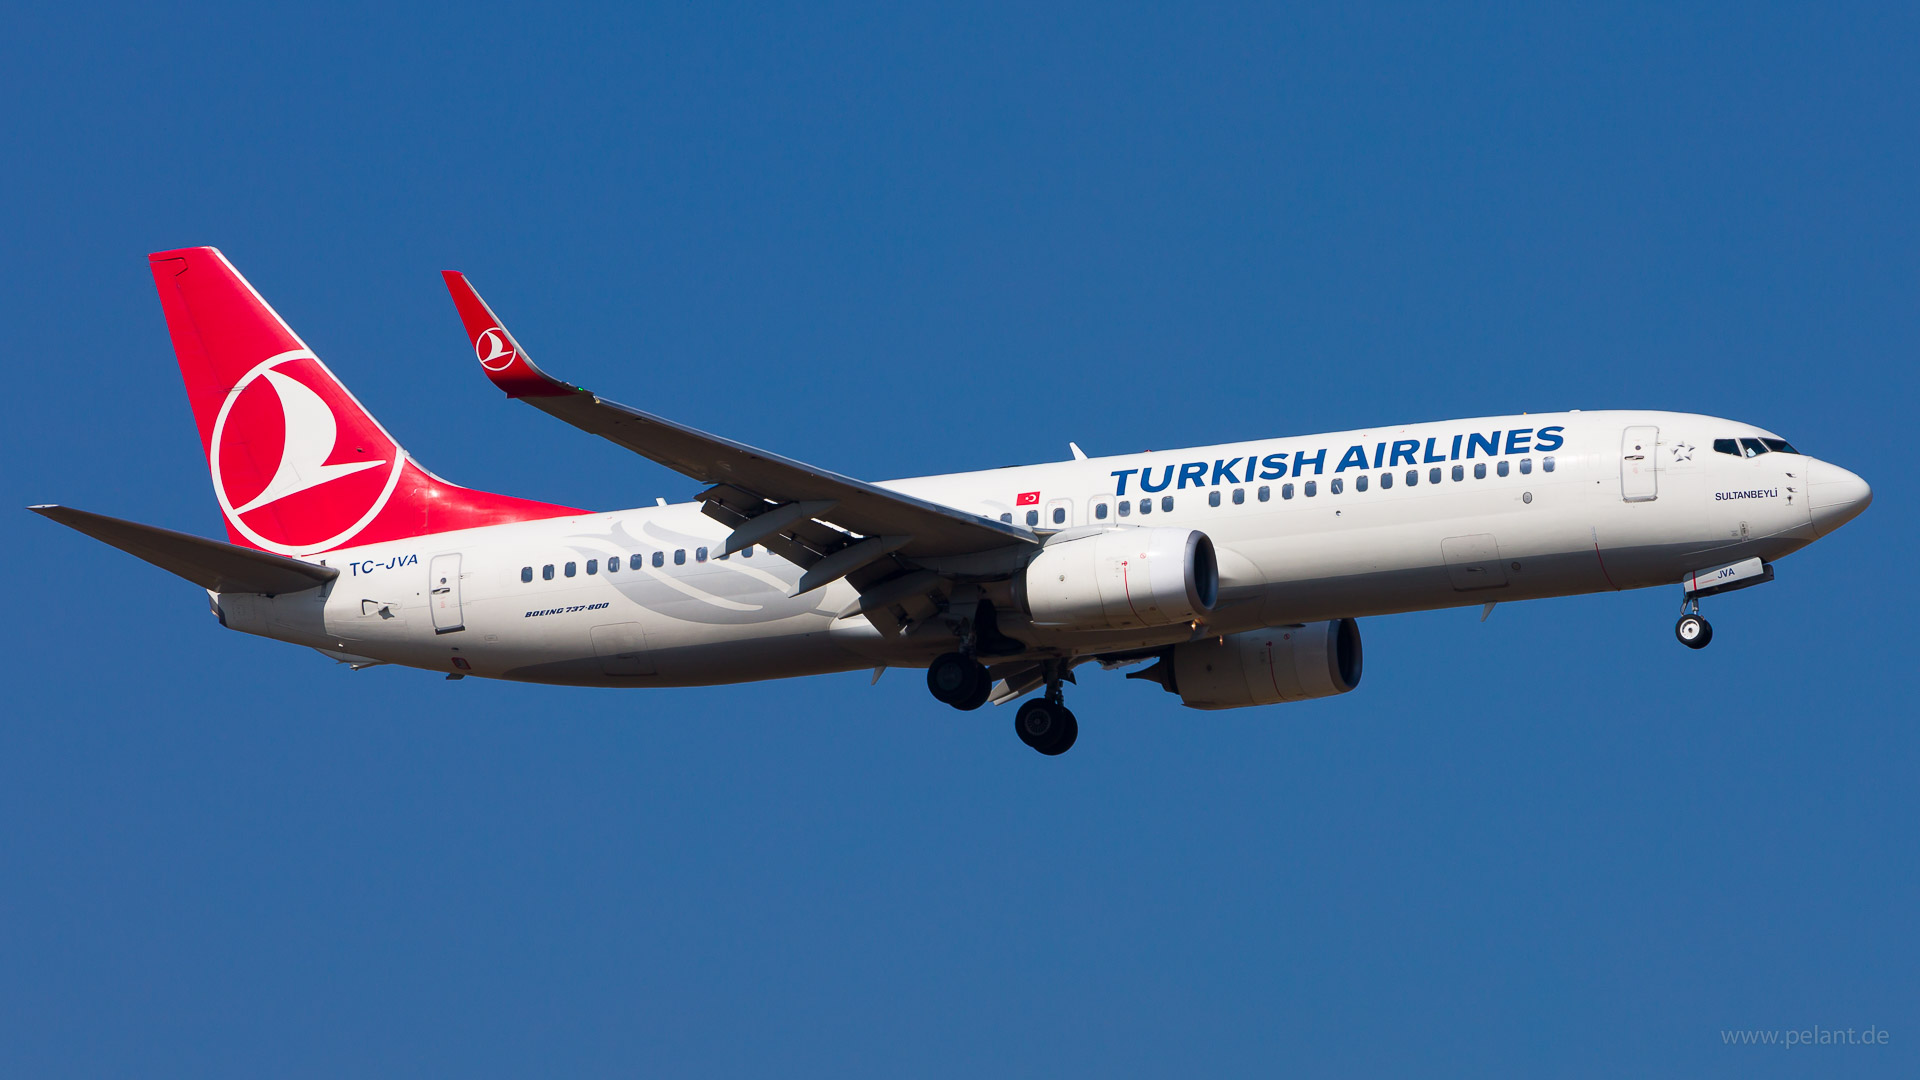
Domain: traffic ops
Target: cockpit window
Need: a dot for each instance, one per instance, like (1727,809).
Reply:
(1752,448)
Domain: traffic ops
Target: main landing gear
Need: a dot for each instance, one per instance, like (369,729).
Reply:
(1693,631)
(1047,726)
(1045,723)
(956,678)
(959,680)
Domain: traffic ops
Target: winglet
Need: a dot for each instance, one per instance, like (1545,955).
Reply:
(500,356)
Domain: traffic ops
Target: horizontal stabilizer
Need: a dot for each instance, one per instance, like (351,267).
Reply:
(210,564)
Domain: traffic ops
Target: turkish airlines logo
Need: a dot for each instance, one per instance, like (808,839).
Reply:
(283,469)
(495,349)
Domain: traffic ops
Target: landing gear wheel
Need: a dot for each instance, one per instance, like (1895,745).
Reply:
(982,689)
(958,680)
(1046,726)
(1693,631)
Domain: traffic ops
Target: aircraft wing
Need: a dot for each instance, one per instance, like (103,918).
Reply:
(833,525)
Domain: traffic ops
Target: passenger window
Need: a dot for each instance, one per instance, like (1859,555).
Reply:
(1337,486)
(1386,480)
(1313,487)
(679,556)
(613,564)
(1546,463)
(1166,503)
(1265,493)
(1526,466)
(1413,477)
(526,573)
(1433,475)
(1059,515)
(659,558)
(1146,506)
(1726,446)
(1360,483)
(1007,518)
(1213,497)
(1501,468)
(1286,492)
(1778,446)
(1033,517)
(746,552)
(1126,507)
(572,568)
(1459,472)
(1479,470)
(546,572)
(700,554)
(1239,496)
(593,567)
(636,561)
(1752,447)
(1099,511)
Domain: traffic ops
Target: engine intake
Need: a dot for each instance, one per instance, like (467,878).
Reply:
(1264,667)
(1121,579)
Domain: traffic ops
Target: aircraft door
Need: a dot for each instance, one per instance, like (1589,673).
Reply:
(1639,475)
(1473,562)
(443,594)
(622,649)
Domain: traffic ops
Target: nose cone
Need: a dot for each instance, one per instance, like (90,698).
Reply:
(1835,496)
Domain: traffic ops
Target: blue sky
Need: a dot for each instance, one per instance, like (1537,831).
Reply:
(897,241)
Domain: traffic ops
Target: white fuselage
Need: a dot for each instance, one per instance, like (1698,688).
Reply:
(1544,505)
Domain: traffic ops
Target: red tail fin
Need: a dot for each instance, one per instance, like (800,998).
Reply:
(298,465)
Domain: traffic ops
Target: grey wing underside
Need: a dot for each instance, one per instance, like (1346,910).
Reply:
(899,552)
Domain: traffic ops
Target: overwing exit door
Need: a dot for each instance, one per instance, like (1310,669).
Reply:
(443,593)
(1639,474)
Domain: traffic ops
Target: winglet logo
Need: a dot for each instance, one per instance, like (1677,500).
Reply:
(495,349)
(285,485)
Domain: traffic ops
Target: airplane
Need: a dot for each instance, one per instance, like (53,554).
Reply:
(1235,573)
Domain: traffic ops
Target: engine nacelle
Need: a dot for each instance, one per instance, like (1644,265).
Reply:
(1121,579)
(1265,667)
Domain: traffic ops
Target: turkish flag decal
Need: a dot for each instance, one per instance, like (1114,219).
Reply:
(1027,498)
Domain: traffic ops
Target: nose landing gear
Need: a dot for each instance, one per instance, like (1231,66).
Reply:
(1693,631)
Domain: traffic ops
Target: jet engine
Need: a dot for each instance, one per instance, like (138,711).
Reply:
(1120,579)
(1262,667)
